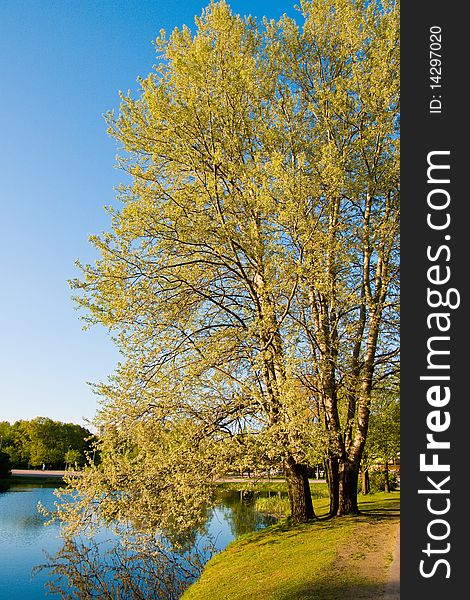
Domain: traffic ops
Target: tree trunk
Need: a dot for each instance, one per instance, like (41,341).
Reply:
(348,479)
(298,488)
(387,480)
(332,479)
(365,481)
(343,477)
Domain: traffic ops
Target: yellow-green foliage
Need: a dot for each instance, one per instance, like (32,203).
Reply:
(247,274)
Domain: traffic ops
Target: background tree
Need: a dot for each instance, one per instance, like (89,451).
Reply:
(44,441)
(383,442)
(50,440)
(15,443)
(74,459)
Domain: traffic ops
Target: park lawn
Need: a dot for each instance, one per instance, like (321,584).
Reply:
(345,557)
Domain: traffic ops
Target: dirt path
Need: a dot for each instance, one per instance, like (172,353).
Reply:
(372,555)
(392,590)
(36,473)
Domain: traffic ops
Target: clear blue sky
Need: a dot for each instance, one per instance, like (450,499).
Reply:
(62,63)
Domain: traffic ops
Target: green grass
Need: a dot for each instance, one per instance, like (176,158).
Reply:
(278,507)
(283,562)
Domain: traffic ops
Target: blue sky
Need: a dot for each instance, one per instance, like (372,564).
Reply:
(62,63)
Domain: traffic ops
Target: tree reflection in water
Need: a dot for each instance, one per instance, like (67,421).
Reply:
(123,563)
(240,511)
(127,565)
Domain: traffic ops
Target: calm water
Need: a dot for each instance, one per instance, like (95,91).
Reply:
(23,536)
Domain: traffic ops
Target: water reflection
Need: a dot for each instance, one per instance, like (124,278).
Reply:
(238,508)
(24,538)
(18,511)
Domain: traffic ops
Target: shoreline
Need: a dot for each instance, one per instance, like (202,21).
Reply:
(39,473)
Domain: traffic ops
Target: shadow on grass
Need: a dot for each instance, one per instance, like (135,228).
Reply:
(369,512)
(383,513)
(392,511)
(369,516)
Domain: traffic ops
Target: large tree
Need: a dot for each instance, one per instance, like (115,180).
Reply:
(250,276)
(346,64)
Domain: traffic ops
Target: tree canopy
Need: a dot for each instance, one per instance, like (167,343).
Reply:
(250,279)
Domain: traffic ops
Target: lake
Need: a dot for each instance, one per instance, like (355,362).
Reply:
(24,536)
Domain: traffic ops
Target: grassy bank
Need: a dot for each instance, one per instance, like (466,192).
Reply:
(345,558)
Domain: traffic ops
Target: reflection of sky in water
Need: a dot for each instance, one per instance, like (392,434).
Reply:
(219,528)
(23,535)
(234,517)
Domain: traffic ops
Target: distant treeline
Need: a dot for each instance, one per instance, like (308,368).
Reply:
(42,441)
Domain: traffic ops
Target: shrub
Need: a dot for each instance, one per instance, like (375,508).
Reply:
(377,481)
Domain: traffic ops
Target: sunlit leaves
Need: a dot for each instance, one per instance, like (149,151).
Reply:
(251,276)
